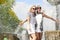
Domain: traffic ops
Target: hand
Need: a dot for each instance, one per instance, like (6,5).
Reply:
(21,23)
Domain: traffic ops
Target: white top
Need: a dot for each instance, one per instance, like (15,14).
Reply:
(39,18)
(32,18)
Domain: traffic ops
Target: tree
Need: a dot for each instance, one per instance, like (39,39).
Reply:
(8,20)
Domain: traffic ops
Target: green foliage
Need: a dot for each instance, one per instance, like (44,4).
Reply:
(8,19)
(7,2)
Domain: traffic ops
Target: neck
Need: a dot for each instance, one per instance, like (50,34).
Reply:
(33,12)
(39,12)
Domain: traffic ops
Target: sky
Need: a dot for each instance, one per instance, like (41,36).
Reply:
(30,1)
(22,6)
(21,9)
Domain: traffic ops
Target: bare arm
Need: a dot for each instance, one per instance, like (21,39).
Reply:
(25,21)
(21,23)
(28,18)
(44,15)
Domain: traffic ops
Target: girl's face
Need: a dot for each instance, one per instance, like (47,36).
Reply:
(33,9)
(39,9)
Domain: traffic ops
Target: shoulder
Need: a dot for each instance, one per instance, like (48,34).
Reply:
(43,14)
(28,12)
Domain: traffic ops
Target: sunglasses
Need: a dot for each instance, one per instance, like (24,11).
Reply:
(38,8)
(34,8)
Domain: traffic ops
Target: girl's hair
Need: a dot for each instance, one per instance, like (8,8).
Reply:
(38,7)
(34,14)
(31,8)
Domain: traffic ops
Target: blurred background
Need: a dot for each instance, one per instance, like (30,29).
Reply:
(14,11)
